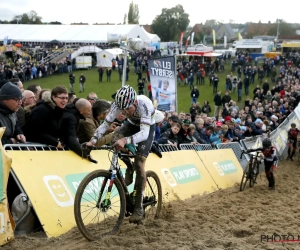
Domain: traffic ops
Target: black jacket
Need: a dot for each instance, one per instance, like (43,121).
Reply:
(68,128)
(168,135)
(9,120)
(42,125)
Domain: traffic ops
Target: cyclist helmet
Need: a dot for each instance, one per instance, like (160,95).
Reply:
(266,143)
(293,125)
(125,97)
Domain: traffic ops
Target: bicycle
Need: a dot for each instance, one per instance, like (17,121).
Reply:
(251,171)
(111,199)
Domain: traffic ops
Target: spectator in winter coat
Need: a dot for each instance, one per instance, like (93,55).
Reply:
(218,103)
(198,134)
(10,102)
(43,122)
(206,109)
(81,109)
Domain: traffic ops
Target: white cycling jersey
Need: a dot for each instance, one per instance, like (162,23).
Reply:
(143,117)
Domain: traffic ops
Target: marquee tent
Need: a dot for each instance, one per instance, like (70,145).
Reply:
(71,33)
(85,49)
(105,57)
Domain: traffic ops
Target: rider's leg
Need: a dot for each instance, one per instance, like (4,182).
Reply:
(140,183)
(269,174)
(139,164)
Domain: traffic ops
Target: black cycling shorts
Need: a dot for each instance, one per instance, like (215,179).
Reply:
(129,129)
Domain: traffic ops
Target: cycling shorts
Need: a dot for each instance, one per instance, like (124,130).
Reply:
(129,129)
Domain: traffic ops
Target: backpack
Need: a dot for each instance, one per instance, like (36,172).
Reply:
(26,221)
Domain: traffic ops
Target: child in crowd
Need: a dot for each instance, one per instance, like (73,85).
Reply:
(170,136)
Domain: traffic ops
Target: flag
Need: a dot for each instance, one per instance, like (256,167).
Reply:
(204,39)
(11,41)
(240,36)
(181,37)
(225,41)
(5,40)
(187,41)
(192,39)
(214,37)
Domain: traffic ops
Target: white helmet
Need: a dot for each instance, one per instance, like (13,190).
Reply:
(158,116)
(125,97)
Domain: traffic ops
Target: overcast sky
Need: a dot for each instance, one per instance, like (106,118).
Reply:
(92,11)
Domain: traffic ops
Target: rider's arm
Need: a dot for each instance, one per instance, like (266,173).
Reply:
(100,131)
(143,134)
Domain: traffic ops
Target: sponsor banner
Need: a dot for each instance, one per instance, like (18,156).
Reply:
(6,222)
(223,166)
(182,174)
(163,83)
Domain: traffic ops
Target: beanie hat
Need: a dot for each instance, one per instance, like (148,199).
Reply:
(10,91)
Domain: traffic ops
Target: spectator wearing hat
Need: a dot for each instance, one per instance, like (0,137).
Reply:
(274,122)
(217,135)
(183,131)
(10,102)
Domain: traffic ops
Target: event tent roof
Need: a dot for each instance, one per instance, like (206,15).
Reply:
(72,33)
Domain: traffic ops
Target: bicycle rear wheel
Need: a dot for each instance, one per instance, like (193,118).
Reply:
(245,178)
(152,196)
(94,217)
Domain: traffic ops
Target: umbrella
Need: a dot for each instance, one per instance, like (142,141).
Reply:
(54,42)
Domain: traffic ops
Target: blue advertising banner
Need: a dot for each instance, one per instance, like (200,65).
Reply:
(163,83)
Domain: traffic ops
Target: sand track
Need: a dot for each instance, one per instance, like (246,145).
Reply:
(227,219)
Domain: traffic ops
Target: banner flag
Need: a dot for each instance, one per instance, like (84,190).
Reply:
(192,38)
(163,83)
(5,40)
(225,41)
(187,41)
(214,37)
(181,37)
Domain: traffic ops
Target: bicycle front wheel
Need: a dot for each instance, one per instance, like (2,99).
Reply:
(95,215)
(152,196)
(245,177)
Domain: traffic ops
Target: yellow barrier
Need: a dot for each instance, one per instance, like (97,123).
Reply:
(6,222)
(51,178)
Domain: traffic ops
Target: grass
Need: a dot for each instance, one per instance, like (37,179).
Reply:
(104,90)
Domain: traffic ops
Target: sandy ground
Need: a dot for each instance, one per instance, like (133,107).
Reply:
(227,219)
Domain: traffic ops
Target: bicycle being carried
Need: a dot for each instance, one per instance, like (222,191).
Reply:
(103,200)
(252,169)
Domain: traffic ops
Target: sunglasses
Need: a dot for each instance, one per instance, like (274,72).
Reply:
(93,99)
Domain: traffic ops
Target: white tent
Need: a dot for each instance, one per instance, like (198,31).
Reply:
(85,49)
(152,38)
(105,57)
(70,33)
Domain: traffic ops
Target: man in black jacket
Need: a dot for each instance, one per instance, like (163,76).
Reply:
(81,109)
(218,103)
(82,82)
(10,102)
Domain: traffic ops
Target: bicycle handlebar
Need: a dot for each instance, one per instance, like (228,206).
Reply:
(246,152)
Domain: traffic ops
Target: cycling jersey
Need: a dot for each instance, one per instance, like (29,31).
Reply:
(142,117)
(269,154)
(293,133)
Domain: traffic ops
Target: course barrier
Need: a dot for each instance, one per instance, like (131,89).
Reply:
(7,224)
(51,184)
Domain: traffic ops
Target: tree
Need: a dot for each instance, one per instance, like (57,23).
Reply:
(27,18)
(125,18)
(211,23)
(133,14)
(170,23)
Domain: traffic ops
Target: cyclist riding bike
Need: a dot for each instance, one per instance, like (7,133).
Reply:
(292,141)
(138,129)
(270,160)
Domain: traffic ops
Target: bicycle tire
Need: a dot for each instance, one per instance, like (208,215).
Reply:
(152,174)
(254,177)
(244,178)
(77,205)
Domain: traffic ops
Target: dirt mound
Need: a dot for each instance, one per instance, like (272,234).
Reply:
(227,219)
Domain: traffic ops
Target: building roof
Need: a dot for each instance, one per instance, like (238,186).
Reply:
(229,29)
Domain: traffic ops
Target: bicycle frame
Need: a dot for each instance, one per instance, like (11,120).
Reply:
(116,172)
